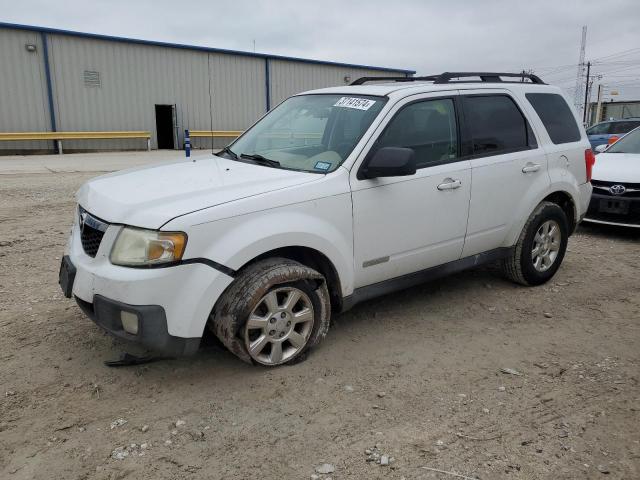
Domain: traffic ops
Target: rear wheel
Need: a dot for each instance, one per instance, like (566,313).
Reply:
(274,313)
(541,246)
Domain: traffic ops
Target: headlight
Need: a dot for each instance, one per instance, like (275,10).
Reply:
(136,247)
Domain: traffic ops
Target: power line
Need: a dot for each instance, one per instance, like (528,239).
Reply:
(623,53)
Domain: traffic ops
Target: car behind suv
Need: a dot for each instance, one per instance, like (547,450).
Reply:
(335,196)
(606,133)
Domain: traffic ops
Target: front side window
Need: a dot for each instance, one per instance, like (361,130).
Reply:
(496,125)
(428,127)
(556,117)
(599,129)
(630,143)
(314,133)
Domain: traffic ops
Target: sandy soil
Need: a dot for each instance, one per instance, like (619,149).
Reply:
(417,374)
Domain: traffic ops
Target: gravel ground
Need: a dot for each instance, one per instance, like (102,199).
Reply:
(412,379)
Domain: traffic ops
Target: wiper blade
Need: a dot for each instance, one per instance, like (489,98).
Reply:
(229,152)
(260,159)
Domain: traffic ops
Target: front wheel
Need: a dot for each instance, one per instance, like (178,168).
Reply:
(274,313)
(541,246)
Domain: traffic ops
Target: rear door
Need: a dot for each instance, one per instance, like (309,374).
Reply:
(509,169)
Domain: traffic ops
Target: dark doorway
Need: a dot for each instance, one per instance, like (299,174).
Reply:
(164,126)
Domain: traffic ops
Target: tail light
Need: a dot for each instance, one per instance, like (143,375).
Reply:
(613,139)
(589,161)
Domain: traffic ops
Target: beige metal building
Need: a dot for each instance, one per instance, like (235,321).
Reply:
(614,110)
(58,80)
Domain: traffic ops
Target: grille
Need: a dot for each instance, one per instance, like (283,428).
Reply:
(91,231)
(601,187)
(632,207)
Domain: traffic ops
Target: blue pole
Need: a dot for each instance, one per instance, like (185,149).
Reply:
(267,83)
(187,143)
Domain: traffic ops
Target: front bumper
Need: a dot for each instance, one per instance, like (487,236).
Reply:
(614,210)
(152,325)
(173,303)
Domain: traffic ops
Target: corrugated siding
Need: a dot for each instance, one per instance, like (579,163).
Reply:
(133,78)
(23,95)
(289,78)
(238,96)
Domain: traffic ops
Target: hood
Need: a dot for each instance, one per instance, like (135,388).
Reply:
(149,197)
(617,167)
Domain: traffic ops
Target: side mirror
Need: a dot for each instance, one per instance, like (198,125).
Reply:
(389,162)
(601,148)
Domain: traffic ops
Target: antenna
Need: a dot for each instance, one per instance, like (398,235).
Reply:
(579,89)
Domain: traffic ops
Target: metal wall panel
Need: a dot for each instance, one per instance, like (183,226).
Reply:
(289,78)
(23,93)
(133,78)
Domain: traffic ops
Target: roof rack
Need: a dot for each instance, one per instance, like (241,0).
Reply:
(448,77)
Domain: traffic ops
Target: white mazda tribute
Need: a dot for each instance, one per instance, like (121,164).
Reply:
(335,196)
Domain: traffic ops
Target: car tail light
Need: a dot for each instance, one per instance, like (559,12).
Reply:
(589,161)
(613,139)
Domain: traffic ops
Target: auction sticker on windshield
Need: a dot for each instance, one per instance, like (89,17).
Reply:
(353,102)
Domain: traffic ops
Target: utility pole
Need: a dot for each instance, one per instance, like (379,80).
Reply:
(599,107)
(586,94)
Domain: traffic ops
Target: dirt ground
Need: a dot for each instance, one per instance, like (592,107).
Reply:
(415,376)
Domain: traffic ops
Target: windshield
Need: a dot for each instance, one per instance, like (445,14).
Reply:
(314,133)
(630,143)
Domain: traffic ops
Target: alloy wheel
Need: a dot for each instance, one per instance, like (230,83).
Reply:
(546,245)
(279,326)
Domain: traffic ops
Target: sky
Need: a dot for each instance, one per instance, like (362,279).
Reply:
(427,36)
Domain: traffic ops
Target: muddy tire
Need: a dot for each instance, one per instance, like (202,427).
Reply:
(541,246)
(274,312)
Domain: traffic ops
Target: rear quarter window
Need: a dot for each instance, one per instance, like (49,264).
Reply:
(556,117)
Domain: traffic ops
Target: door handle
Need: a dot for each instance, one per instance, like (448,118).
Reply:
(530,168)
(450,184)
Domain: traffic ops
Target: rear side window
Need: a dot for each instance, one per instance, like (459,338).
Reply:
(622,127)
(497,125)
(556,116)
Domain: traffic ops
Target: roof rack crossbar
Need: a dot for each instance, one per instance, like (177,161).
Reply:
(451,77)
(491,77)
(363,80)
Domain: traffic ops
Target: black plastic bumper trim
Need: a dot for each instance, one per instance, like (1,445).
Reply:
(152,325)
(189,261)
(218,266)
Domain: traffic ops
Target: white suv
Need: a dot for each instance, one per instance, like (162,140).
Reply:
(335,196)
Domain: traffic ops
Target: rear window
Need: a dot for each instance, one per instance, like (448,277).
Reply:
(497,125)
(556,116)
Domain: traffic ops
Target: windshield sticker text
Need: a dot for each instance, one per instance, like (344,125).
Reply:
(357,103)
(322,166)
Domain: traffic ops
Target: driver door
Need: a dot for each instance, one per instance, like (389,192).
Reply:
(410,223)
